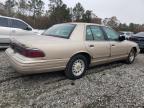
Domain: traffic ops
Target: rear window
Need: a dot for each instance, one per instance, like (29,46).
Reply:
(4,22)
(60,30)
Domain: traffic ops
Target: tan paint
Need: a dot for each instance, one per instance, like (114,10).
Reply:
(58,51)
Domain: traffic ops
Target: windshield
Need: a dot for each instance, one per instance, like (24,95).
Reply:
(60,30)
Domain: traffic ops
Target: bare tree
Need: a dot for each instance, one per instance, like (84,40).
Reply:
(113,22)
(78,12)
(9,5)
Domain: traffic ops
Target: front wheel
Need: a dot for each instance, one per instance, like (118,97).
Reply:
(76,67)
(131,57)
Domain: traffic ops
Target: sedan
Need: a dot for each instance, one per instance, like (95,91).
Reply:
(139,39)
(72,47)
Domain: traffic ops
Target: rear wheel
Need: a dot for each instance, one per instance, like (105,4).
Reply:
(76,67)
(131,56)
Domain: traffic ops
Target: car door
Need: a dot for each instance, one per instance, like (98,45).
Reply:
(96,42)
(19,28)
(4,30)
(118,48)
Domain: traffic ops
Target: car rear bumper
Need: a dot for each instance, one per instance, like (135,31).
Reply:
(29,66)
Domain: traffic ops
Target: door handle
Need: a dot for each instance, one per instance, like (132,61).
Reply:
(91,46)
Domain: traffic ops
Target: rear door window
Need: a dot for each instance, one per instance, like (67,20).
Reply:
(4,22)
(111,34)
(94,33)
(89,35)
(19,24)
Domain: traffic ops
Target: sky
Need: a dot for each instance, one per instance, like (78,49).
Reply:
(125,10)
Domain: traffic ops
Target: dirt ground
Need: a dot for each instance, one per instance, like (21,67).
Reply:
(115,85)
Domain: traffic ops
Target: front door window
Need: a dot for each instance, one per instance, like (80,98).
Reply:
(111,34)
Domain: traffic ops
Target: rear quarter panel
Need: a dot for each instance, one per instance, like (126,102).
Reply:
(66,48)
(63,50)
(131,45)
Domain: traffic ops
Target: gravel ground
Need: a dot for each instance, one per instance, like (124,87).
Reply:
(107,86)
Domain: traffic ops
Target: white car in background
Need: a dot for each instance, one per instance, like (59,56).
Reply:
(14,27)
(127,34)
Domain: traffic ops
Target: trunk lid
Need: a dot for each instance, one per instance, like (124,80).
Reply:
(36,41)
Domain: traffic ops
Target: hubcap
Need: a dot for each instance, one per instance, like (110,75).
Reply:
(78,67)
(132,56)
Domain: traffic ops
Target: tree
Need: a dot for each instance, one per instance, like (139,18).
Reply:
(2,9)
(40,8)
(123,27)
(87,16)
(78,12)
(22,7)
(58,12)
(95,19)
(131,26)
(36,7)
(9,4)
(55,4)
(112,22)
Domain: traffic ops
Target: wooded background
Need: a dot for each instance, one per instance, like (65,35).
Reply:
(39,17)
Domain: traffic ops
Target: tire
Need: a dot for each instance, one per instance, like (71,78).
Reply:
(76,67)
(131,57)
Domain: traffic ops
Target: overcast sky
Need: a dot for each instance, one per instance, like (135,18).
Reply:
(126,10)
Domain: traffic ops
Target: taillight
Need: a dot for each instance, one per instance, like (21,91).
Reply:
(32,53)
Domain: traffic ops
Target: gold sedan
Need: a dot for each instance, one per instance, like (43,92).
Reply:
(72,47)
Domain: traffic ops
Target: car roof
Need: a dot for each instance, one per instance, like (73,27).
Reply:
(10,17)
(82,23)
(139,34)
(14,18)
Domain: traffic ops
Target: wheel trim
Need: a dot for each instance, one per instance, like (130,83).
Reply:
(78,67)
(131,56)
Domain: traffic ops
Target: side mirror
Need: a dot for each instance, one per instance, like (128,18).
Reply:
(122,38)
(28,28)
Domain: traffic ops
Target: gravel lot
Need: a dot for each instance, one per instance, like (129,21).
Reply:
(108,86)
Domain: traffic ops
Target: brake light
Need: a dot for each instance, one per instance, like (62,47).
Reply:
(32,53)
